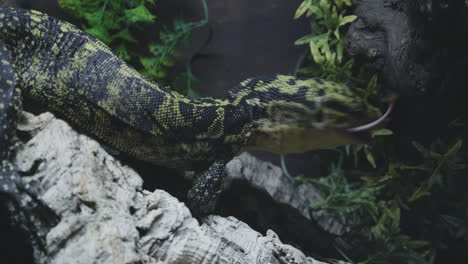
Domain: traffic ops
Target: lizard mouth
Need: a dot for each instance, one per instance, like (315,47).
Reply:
(363,133)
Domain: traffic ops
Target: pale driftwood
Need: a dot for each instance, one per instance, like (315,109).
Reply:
(106,216)
(260,190)
(269,178)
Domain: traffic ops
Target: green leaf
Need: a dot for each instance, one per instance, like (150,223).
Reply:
(436,156)
(153,68)
(347,2)
(315,10)
(167,61)
(334,14)
(313,70)
(139,14)
(348,65)
(318,58)
(356,148)
(147,62)
(316,29)
(122,52)
(454,150)
(324,4)
(381,132)
(325,48)
(100,33)
(347,19)
(311,37)
(369,156)
(452,220)
(94,18)
(420,148)
(339,4)
(372,86)
(422,191)
(124,34)
(337,33)
(458,122)
(339,51)
(302,9)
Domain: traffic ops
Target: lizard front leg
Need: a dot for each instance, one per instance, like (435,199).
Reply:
(206,188)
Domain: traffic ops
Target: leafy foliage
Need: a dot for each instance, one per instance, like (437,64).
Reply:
(163,53)
(346,200)
(411,208)
(116,22)
(326,43)
(405,200)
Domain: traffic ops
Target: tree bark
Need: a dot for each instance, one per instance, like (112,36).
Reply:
(409,44)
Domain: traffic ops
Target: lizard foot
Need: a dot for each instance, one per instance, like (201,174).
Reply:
(206,188)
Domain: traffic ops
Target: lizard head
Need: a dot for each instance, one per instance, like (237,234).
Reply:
(293,115)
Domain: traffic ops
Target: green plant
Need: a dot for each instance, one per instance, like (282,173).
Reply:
(348,201)
(326,43)
(428,189)
(405,201)
(326,46)
(112,21)
(116,22)
(163,53)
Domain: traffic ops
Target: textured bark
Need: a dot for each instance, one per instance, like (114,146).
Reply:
(107,217)
(407,42)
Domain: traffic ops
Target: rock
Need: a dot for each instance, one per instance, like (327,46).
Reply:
(107,217)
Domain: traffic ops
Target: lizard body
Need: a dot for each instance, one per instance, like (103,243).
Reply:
(51,63)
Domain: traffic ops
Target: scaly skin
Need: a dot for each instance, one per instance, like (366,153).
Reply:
(48,62)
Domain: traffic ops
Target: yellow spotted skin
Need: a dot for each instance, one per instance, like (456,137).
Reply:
(51,63)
